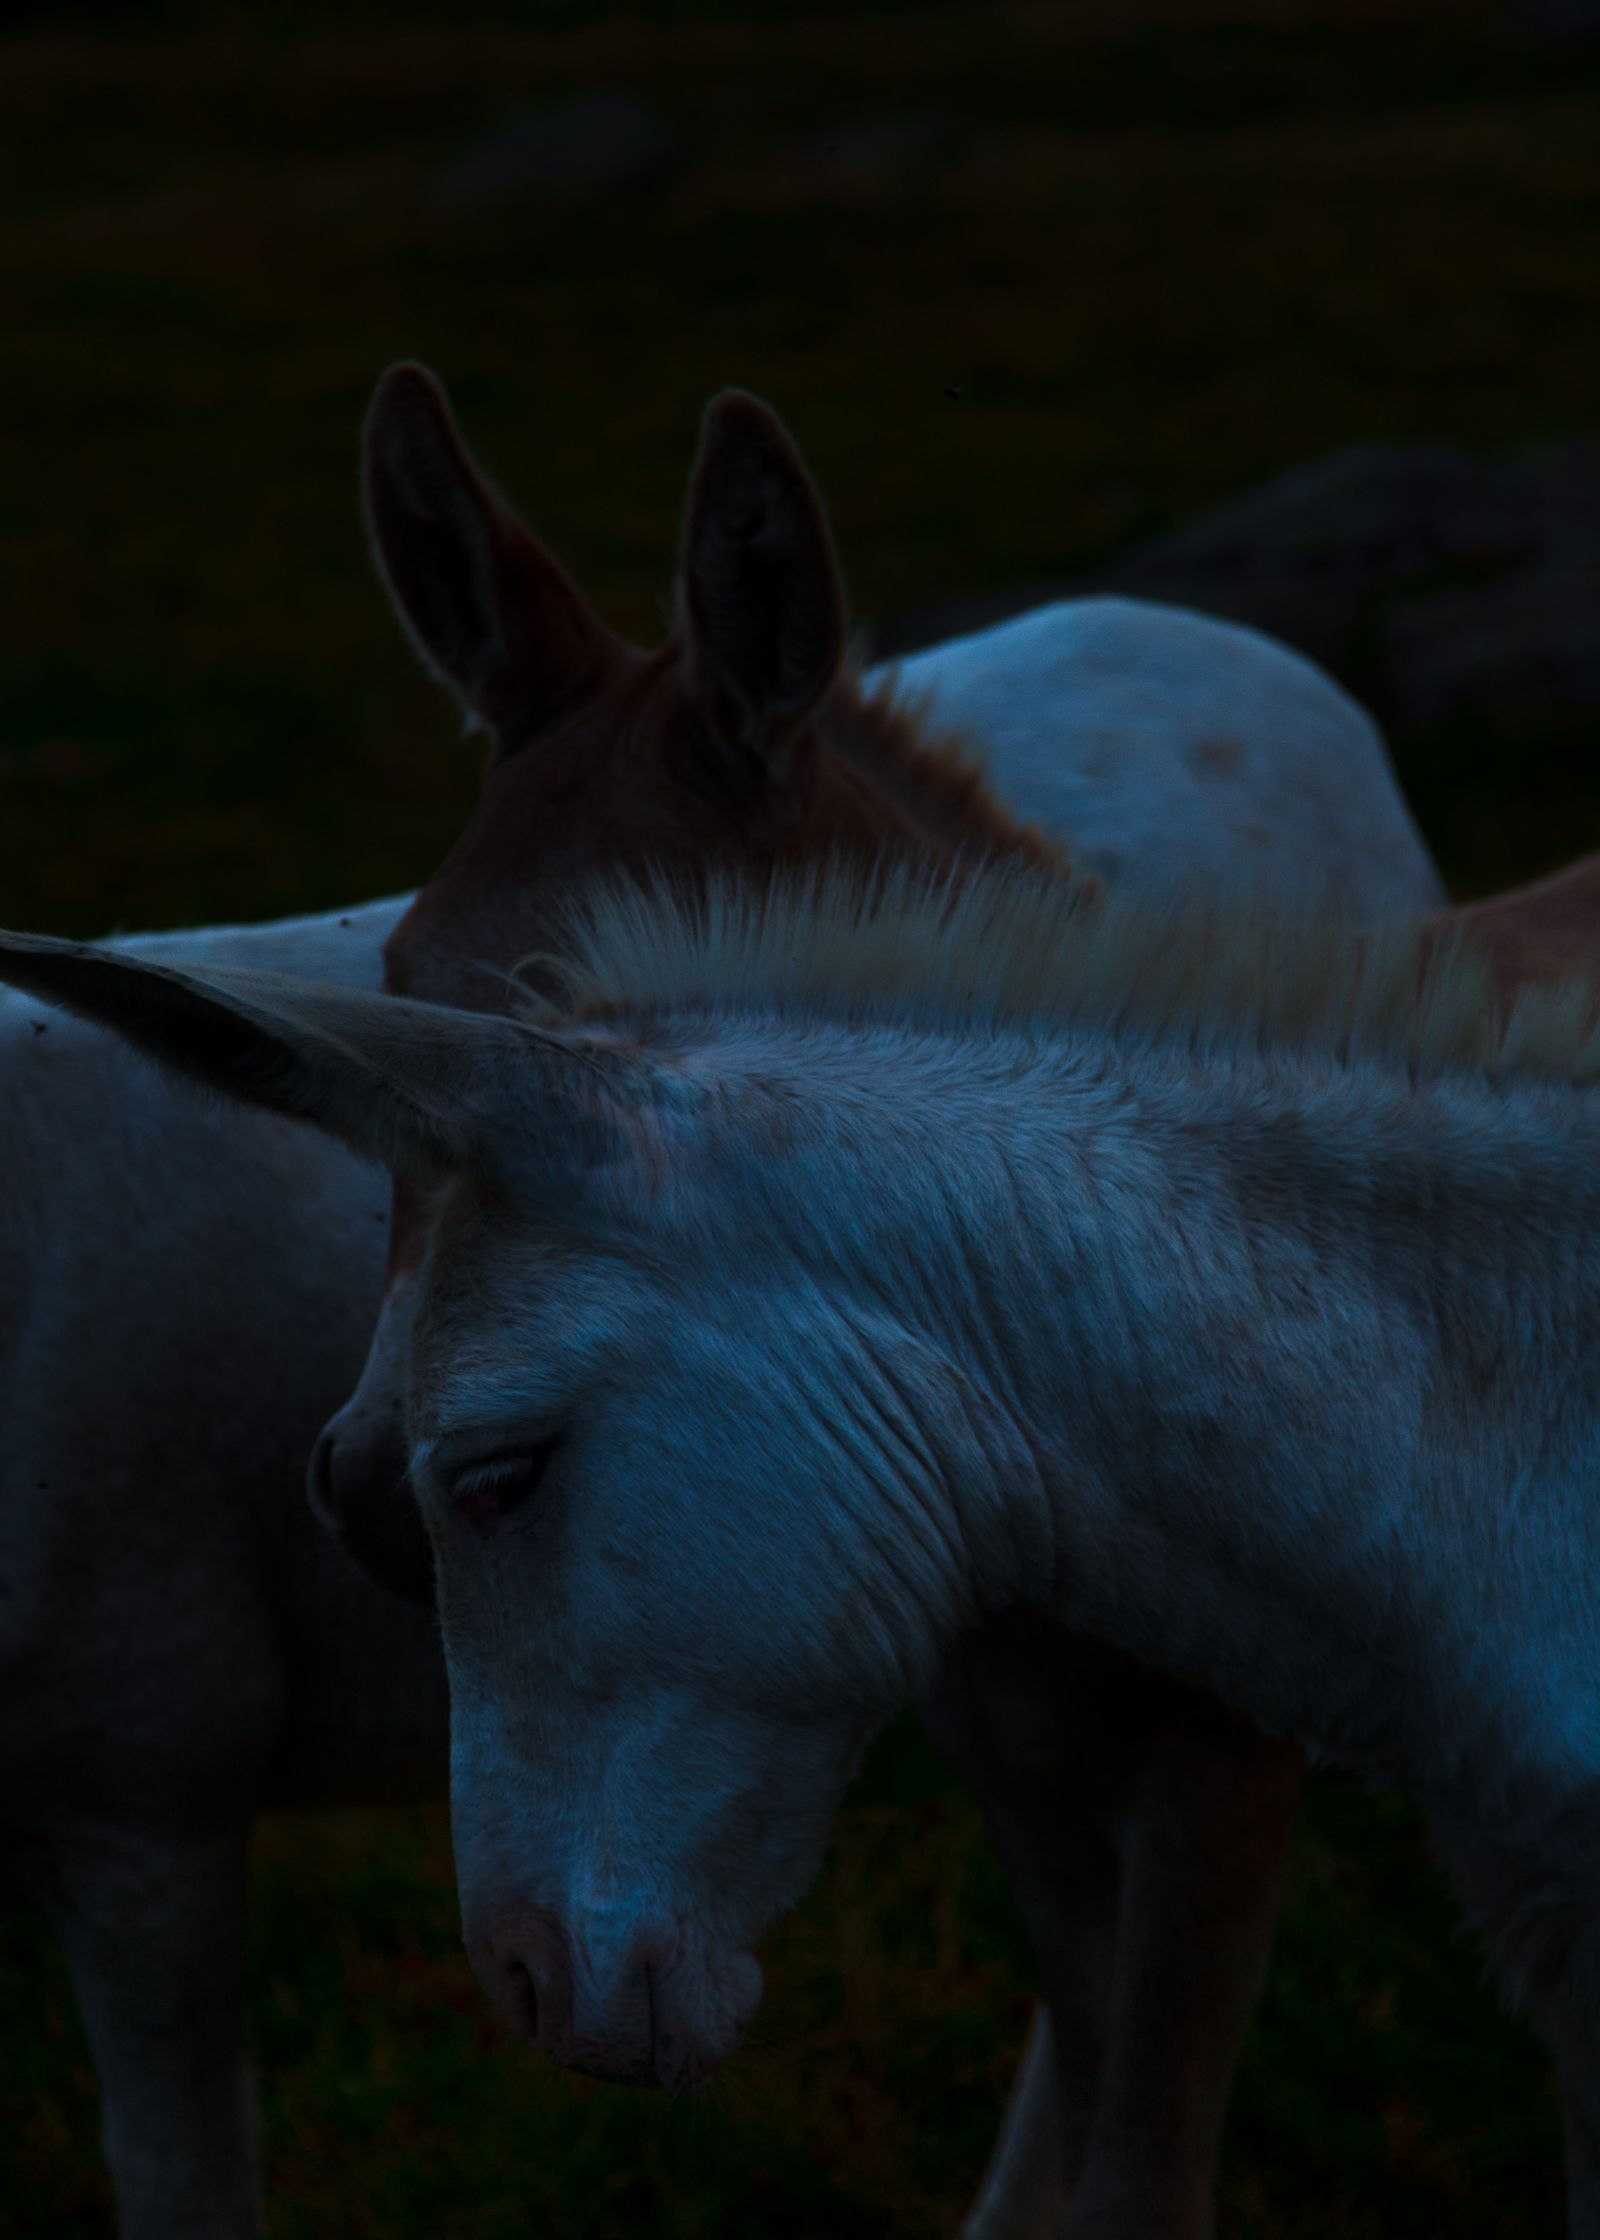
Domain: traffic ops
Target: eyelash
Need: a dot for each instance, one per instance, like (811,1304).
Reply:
(488,1492)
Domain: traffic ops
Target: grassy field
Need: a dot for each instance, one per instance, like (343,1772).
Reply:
(1160,252)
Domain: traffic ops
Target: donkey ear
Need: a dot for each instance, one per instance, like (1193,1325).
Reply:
(760,597)
(491,613)
(410,1086)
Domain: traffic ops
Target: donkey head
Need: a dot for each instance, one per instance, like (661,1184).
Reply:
(688,1550)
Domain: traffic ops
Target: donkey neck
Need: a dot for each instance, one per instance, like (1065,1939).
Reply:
(1306,1363)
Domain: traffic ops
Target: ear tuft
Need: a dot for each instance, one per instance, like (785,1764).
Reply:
(493,616)
(760,596)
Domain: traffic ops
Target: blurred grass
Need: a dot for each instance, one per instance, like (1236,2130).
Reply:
(1170,249)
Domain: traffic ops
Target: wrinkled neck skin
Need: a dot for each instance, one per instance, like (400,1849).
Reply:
(1284,1383)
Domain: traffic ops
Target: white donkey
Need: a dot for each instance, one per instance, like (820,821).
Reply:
(853,1275)
(1168,1817)
(166,1364)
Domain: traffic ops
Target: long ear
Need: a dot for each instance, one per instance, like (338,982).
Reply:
(761,603)
(412,1086)
(491,613)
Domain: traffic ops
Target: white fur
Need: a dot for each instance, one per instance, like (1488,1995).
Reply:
(1198,754)
(1023,946)
(1268,1360)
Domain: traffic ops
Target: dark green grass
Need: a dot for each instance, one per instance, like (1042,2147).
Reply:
(1383,2092)
(1157,263)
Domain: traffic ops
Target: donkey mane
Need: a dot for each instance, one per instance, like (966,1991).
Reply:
(1007,946)
(932,772)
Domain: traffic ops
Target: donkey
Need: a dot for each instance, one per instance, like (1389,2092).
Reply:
(844,1270)
(746,707)
(222,1656)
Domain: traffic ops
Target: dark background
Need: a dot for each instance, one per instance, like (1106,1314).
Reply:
(1043,290)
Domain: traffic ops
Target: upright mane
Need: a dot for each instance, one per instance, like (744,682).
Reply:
(1008,945)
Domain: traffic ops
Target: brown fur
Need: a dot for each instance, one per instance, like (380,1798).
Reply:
(934,777)
(606,758)
(1536,935)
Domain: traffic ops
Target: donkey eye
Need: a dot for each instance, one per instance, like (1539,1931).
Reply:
(487,1491)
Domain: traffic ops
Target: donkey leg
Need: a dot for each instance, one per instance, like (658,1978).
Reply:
(1065,1885)
(1046,1782)
(1023,2192)
(1151,1971)
(1204,1850)
(1577,2060)
(1145,1844)
(152,1925)
(1544,1949)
